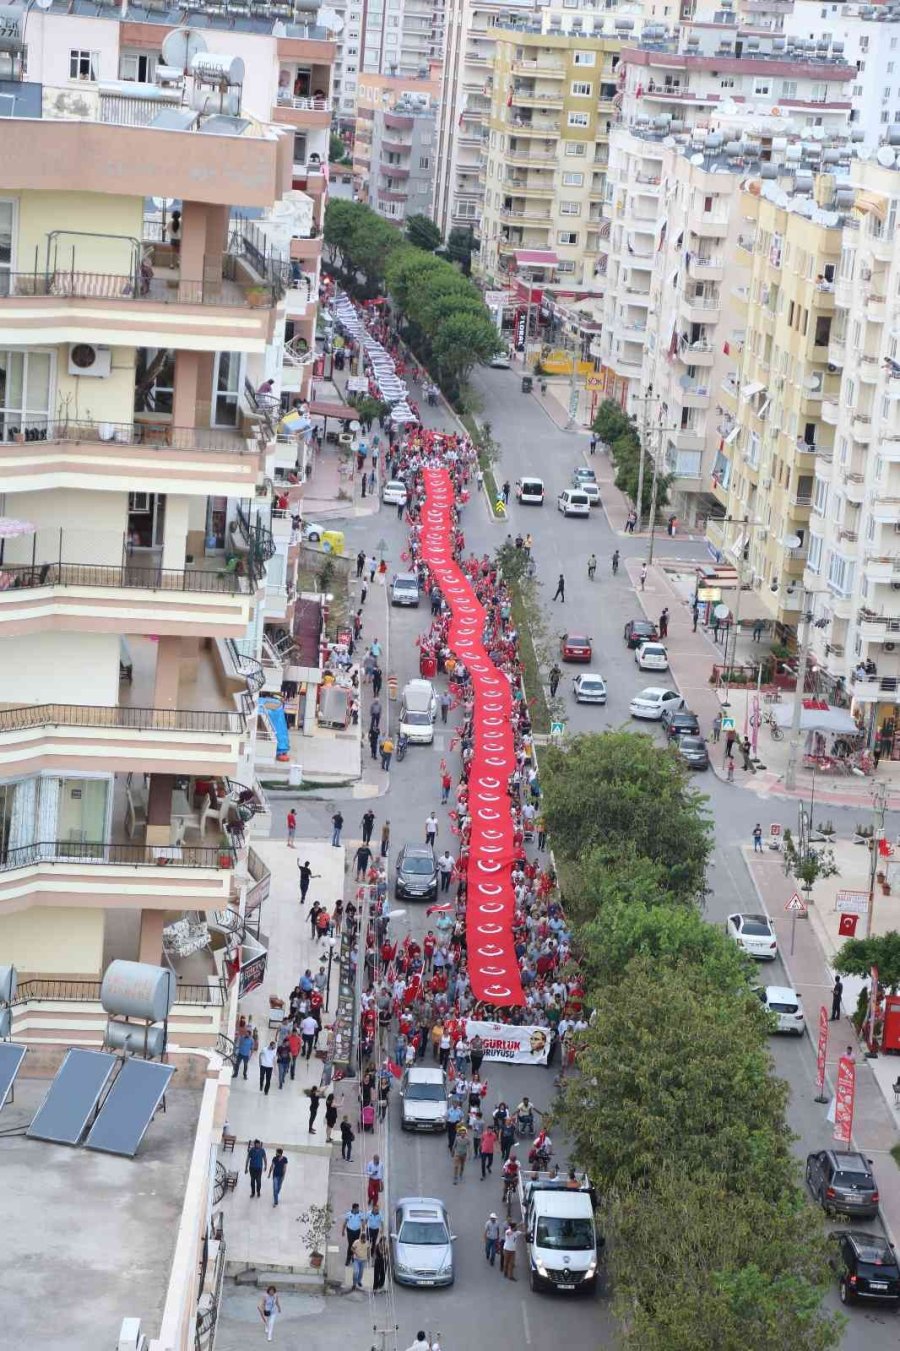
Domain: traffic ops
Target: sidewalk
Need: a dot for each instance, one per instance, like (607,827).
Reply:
(260,1236)
(876,1122)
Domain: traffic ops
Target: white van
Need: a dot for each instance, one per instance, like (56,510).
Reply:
(574,502)
(423,1096)
(530,491)
(418,710)
(560,1237)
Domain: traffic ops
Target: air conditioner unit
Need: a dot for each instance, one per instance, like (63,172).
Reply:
(84,359)
(767,483)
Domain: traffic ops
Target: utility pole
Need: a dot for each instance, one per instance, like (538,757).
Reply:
(645,432)
(790,773)
(655,485)
(879,807)
(573,390)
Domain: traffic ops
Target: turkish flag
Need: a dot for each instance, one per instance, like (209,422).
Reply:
(847,926)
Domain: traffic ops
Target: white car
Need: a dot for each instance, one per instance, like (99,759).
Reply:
(754,934)
(312,532)
(500,362)
(651,702)
(589,688)
(652,657)
(573,502)
(394,493)
(786,1006)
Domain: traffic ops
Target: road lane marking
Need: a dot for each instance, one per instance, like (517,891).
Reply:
(528,1341)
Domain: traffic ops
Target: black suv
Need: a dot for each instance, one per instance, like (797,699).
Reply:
(842,1182)
(866,1267)
(679,722)
(639,631)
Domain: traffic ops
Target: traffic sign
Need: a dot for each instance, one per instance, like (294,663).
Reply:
(795,905)
(557,729)
(594,382)
(727,724)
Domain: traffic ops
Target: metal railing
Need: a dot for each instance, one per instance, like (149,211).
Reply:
(247,666)
(138,719)
(27,576)
(60,284)
(259,538)
(890,622)
(225,1047)
(107,854)
(152,435)
(302,105)
(88,991)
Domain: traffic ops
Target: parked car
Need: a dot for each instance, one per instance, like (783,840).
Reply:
(573,502)
(678,722)
(587,486)
(589,688)
(394,493)
(416,878)
(405,589)
(754,934)
(500,362)
(866,1267)
(423,1099)
(639,631)
(652,657)
(584,474)
(786,1007)
(842,1181)
(651,702)
(692,750)
(421,1242)
(575,647)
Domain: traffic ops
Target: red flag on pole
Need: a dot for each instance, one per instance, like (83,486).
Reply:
(395,1070)
(844,1100)
(847,925)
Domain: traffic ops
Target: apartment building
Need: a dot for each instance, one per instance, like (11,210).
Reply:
(383,37)
(870,35)
(545,148)
(401,176)
(377,94)
(777,427)
(161,204)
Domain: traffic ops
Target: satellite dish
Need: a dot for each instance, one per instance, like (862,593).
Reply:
(330,19)
(181,46)
(696,160)
(885,156)
(43,4)
(721,611)
(792,542)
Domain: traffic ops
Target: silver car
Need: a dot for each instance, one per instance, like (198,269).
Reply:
(421,1242)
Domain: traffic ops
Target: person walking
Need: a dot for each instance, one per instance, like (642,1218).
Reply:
(445,703)
(757,839)
(347,1138)
(592,567)
(315,1097)
(373,740)
(368,824)
(643,575)
(664,623)
(337,825)
(375,714)
(269,1309)
(283,1061)
(555,676)
(306,876)
(308,1029)
(373,1222)
(729,769)
(445,865)
(758,628)
(836,994)
(266,1065)
(615,562)
(277,1171)
(377,677)
(294,1045)
(363,592)
(491,1238)
(460,1153)
(291,827)
(506,492)
(331,1116)
(695,614)
(540,826)
(746,752)
(730,739)
(387,750)
(242,1052)
(488,1147)
(362,858)
(431,828)
(717,726)
(593,443)
(352,1229)
(256,1165)
(446,785)
(385,839)
(510,1243)
(360,564)
(560,592)
(359,1254)
(454,1111)
(379,1264)
(374,1179)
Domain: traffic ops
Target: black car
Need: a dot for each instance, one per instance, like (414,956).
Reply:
(679,722)
(866,1267)
(417,878)
(639,631)
(692,750)
(842,1182)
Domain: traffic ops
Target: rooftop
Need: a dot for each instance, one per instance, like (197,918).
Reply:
(94,1233)
(247,16)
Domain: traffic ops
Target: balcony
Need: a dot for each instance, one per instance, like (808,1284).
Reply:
(875,308)
(875,628)
(689,439)
(699,353)
(520,187)
(64,737)
(547,128)
(854,488)
(305,114)
(699,309)
(707,225)
(529,98)
(52,1011)
(884,569)
(830,412)
(540,70)
(861,428)
(138,456)
(695,395)
(886,510)
(875,689)
(889,450)
(525,214)
(823,297)
(163,310)
(706,268)
(837,349)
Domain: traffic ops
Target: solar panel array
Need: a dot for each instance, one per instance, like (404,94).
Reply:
(129,1107)
(72,1099)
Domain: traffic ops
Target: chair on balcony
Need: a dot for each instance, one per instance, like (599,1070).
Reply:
(135,814)
(218,813)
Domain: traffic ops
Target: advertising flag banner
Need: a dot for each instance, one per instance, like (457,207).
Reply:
(822,1051)
(515,1045)
(844,1100)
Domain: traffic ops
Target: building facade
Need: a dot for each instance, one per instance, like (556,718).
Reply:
(869,36)
(401,176)
(377,95)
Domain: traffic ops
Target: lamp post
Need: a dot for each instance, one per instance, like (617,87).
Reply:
(879,807)
(332,940)
(809,622)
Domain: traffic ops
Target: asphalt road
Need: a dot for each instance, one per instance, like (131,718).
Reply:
(482,1309)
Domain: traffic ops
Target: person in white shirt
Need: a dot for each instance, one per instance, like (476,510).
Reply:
(445,868)
(420,1344)
(431,829)
(511,1237)
(266,1065)
(308,1029)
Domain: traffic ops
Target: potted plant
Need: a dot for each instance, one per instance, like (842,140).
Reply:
(862,834)
(317,1223)
(826,828)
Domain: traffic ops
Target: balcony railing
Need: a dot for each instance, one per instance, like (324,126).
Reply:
(303,105)
(88,991)
(105,853)
(124,286)
(151,435)
(127,719)
(258,538)
(27,576)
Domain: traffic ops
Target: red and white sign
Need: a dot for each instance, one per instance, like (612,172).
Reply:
(775,829)
(847,926)
(514,1045)
(822,1051)
(493,965)
(844,1100)
(851,902)
(795,906)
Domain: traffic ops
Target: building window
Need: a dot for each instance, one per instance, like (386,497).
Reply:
(582,89)
(137,67)
(573,180)
(788,89)
(840,574)
(584,58)
(576,148)
(578,119)
(570,208)
(84,65)
(6,238)
(227,385)
(424,162)
(762,86)
(567,237)
(814,556)
(566,265)
(820,497)
(24,390)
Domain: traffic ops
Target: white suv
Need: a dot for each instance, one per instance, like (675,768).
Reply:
(786,1006)
(754,934)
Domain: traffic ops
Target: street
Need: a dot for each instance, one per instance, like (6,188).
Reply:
(469,1314)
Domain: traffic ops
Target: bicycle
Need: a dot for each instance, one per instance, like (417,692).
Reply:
(777,732)
(509,1192)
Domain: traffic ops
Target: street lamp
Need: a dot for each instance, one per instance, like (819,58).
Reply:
(332,940)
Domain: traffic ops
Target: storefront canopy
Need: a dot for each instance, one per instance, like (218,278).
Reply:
(815,719)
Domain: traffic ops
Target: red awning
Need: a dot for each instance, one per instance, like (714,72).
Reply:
(536,258)
(323,408)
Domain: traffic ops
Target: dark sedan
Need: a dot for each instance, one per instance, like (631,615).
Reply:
(639,631)
(417,878)
(866,1267)
(679,722)
(692,750)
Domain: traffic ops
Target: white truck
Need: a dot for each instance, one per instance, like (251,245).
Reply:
(561,1239)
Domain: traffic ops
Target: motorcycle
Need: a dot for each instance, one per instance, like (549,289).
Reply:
(402,743)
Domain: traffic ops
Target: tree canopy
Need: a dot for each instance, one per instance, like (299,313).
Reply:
(422,232)
(620,433)
(859,955)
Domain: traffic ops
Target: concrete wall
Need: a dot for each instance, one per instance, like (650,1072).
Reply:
(63,668)
(94,526)
(54,941)
(41,212)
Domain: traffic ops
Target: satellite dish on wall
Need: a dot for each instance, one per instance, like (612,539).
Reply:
(792,541)
(181,46)
(885,156)
(43,4)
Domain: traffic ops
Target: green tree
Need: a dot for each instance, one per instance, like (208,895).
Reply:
(632,917)
(337,150)
(462,340)
(692,1266)
(460,246)
(610,422)
(859,955)
(340,220)
(422,232)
